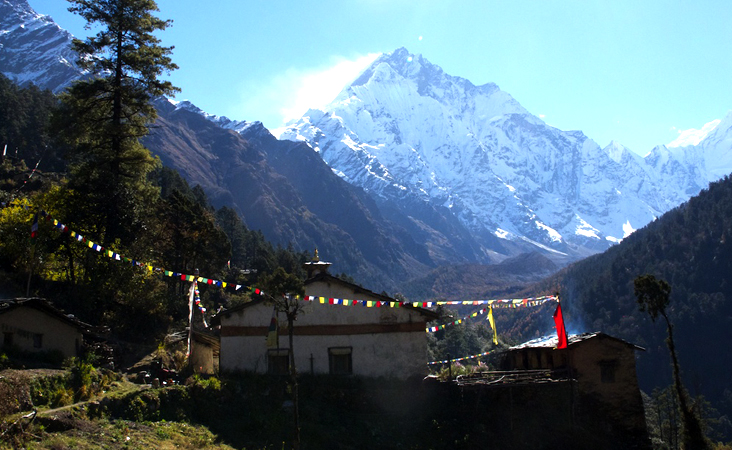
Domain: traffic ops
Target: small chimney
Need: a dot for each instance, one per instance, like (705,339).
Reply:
(316,266)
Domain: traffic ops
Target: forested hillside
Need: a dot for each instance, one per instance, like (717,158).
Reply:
(172,226)
(689,247)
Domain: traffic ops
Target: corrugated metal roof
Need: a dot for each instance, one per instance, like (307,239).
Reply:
(551,341)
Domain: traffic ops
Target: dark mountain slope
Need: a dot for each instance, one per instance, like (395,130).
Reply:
(339,203)
(691,248)
(474,281)
(287,192)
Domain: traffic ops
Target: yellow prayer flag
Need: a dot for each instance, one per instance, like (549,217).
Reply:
(493,326)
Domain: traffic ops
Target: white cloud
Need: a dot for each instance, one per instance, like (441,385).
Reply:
(693,136)
(290,94)
(316,88)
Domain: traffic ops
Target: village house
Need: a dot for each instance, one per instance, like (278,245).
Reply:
(34,325)
(591,384)
(602,365)
(205,348)
(382,340)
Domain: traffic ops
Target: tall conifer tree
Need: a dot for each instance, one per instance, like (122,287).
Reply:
(110,197)
(103,117)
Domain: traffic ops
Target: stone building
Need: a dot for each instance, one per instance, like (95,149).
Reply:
(381,340)
(603,371)
(34,325)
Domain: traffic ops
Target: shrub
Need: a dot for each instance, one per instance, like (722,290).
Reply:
(52,391)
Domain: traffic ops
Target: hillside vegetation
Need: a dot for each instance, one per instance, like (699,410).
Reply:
(689,247)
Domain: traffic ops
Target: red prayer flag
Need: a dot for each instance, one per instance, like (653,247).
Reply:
(561,331)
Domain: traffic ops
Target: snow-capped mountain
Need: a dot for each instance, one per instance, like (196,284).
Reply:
(240,126)
(33,48)
(405,129)
(465,170)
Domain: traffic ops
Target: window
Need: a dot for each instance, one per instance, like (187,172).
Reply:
(339,360)
(37,340)
(278,361)
(607,371)
(7,338)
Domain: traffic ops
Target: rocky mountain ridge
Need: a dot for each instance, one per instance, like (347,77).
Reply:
(407,130)
(34,49)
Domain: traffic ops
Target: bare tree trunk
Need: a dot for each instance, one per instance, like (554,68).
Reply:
(293,382)
(693,436)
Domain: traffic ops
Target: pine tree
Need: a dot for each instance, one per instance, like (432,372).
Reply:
(103,118)
(110,196)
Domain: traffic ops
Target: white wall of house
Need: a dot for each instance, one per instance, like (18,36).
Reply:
(384,341)
(390,355)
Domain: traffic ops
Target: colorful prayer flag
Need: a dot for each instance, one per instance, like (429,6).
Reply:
(493,326)
(34,227)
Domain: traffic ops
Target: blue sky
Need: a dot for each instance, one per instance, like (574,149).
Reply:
(638,72)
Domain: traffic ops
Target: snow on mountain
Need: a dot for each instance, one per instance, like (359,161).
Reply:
(717,148)
(438,148)
(691,168)
(239,126)
(693,136)
(34,49)
(405,128)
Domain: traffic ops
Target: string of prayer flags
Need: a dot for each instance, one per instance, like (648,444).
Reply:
(448,361)
(511,303)
(197,301)
(497,303)
(116,256)
(503,303)
(517,303)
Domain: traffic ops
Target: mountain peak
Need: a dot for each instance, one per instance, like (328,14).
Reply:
(402,62)
(35,49)
(616,151)
(721,130)
(408,132)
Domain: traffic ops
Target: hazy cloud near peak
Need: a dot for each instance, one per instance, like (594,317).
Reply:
(290,94)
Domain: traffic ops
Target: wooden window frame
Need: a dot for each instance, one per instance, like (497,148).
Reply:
(340,360)
(274,355)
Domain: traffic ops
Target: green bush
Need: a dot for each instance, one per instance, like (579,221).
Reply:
(205,383)
(52,391)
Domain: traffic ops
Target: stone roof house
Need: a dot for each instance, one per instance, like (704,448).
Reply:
(603,368)
(35,325)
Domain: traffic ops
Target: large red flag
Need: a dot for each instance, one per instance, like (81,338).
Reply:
(561,331)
